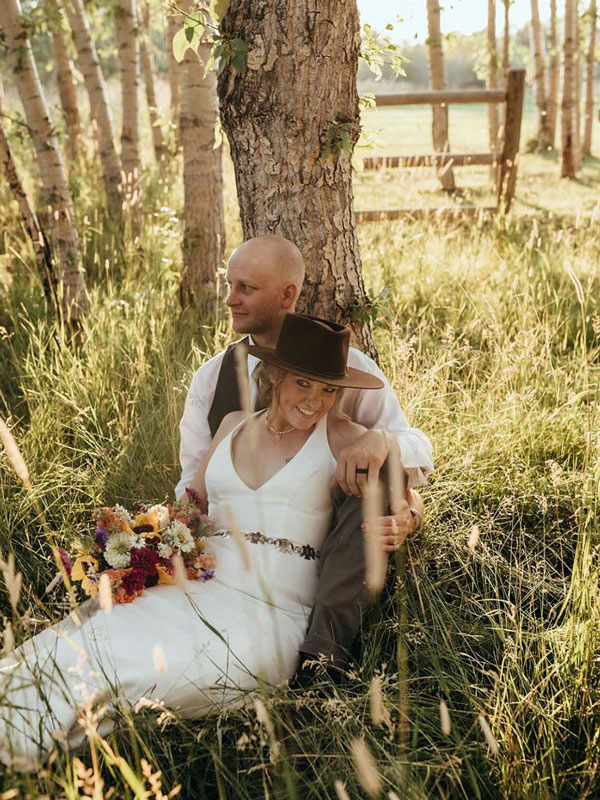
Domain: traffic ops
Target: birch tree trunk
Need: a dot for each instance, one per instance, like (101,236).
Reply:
(554,70)
(568,163)
(94,84)
(66,85)
(492,74)
(148,73)
(506,41)
(541,98)
(577,86)
(31,223)
(173,26)
(297,101)
(126,31)
(55,192)
(590,63)
(437,81)
(204,237)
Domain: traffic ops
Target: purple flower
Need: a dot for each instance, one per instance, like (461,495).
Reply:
(66,559)
(207,574)
(101,537)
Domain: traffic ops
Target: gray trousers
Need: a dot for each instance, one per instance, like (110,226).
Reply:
(342,595)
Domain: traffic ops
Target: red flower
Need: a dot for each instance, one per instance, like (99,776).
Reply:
(134,581)
(144,559)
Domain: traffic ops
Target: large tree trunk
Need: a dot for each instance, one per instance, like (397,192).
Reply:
(173,25)
(492,74)
(94,84)
(41,248)
(590,64)
(554,70)
(292,120)
(66,85)
(204,237)
(148,73)
(568,162)
(437,80)
(541,97)
(55,192)
(577,86)
(126,30)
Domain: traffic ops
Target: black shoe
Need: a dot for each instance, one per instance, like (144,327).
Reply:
(314,673)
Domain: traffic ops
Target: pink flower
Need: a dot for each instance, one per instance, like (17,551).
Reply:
(66,559)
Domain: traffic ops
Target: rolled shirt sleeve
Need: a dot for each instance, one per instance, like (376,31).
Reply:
(379,408)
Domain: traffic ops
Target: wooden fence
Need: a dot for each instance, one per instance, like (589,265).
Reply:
(504,161)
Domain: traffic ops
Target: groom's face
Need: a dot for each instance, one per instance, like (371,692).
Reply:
(255,296)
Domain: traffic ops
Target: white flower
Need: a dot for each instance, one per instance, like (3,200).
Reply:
(118,550)
(165,550)
(179,537)
(124,514)
(163,516)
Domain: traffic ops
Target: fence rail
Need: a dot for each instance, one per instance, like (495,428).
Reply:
(505,159)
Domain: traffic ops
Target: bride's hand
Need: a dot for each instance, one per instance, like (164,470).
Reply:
(392,530)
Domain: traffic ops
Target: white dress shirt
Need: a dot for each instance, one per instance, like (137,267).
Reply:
(373,408)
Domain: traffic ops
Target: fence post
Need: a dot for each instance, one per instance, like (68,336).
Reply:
(515,92)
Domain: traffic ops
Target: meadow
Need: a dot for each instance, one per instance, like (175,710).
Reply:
(477,674)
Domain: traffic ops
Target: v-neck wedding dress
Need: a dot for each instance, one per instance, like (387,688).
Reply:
(195,650)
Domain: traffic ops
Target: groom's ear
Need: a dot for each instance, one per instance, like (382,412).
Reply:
(289,296)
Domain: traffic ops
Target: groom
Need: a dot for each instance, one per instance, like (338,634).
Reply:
(265,277)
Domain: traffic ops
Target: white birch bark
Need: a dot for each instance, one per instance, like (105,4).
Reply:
(89,65)
(204,237)
(55,192)
(492,74)
(554,74)
(437,80)
(148,73)
(568,163)
(590,64)
(541,98)
(66,83)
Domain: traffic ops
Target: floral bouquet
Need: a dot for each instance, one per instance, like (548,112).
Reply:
(140,549)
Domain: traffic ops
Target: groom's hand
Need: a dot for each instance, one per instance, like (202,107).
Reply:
(366,454)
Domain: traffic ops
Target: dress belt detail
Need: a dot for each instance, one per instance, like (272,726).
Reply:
(285,545)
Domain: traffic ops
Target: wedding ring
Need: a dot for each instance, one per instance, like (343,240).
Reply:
(362,471)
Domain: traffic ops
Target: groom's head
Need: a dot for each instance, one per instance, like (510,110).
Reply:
(265,277)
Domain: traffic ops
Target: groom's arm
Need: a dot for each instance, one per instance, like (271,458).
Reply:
(195,436)
(377,409)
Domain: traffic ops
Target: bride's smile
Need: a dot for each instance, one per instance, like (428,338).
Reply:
(301,402)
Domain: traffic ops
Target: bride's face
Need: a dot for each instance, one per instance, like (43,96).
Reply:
(302,402)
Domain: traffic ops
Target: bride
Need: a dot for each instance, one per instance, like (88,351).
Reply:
(266,484)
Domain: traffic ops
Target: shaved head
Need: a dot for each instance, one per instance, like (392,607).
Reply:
(281,257)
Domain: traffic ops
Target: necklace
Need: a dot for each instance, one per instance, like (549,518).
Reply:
(277,433)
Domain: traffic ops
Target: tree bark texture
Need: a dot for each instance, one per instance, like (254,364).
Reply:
(577,76)
(590,64)
(568,163)
(492,74)
(204,237)
(541,98)
(148,73)
(55,192)
(437,80)
(506,41)
(66,86)
(87,60)
(173,25)
(127,43)
(31,223)
(554,72)
(297,99)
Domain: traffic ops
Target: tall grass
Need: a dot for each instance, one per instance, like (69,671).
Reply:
(483,334)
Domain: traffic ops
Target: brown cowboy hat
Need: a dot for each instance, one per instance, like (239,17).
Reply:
(316,349)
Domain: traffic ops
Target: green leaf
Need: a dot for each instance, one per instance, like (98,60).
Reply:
(189,34)
(180,44)
(219,8)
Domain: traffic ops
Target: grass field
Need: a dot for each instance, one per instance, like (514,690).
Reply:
(492,345)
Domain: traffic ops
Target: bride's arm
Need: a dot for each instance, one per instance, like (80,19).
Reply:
(197,484)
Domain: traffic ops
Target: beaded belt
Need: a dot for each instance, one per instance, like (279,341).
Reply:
(285,545)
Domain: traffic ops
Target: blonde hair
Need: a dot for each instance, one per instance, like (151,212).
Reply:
(269,378)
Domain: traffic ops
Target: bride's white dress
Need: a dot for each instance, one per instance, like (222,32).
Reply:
(195,650)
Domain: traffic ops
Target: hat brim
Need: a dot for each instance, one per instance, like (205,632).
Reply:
(353,379)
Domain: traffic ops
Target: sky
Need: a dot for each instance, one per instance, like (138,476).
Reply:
(463,16)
